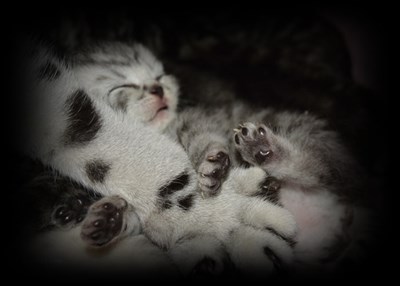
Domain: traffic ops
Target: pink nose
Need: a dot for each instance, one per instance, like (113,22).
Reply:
(156,90)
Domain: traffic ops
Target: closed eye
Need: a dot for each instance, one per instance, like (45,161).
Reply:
(131,85)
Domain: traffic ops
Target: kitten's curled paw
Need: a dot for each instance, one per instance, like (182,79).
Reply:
(256,143)
(212,171)
(104,221)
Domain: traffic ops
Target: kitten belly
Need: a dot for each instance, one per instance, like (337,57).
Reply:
(318,216)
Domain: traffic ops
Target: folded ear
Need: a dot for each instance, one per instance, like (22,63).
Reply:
(119,97)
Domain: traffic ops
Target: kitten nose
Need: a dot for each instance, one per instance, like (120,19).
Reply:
(156,90)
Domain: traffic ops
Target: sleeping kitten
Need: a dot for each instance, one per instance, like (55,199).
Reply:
(81,131)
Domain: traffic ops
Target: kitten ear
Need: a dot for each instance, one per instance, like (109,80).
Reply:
(120,97)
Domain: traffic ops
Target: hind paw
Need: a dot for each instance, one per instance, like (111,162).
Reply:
(104,221)
(256,143)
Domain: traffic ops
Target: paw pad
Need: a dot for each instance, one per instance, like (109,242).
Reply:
(104,221)
(213,170)
(254,143)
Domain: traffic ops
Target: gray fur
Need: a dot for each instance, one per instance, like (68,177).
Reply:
(304,155)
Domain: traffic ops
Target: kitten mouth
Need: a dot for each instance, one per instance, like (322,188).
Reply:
(159,111)
(162,108)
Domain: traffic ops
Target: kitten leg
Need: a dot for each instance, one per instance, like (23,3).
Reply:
(260,212)
(257,144)
(109,219)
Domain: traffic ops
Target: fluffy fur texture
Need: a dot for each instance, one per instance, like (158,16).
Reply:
(314,171)
(76,129)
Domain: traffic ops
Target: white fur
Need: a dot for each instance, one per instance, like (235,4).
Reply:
(141,162)
(319,217)
(228,213)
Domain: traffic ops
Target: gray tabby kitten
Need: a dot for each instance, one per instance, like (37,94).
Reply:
(311,172)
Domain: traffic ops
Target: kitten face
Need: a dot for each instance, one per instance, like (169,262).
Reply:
(131,80)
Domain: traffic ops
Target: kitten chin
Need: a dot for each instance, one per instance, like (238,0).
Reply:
(162,119)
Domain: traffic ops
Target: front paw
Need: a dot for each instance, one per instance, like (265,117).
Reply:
(71,212)
(212,171)
(256,143)
(104,221)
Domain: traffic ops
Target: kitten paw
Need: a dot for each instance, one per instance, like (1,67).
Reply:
(104,221)
(255,143)
(212,171)
(71,212)
(269,189)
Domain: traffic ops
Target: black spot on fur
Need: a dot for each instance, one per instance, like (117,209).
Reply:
(49,71)
(166,205)
(289,241)
(186,203)
(84,121)
(175,185)
(97,170)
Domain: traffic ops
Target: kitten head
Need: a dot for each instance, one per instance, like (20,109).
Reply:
(131,80)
